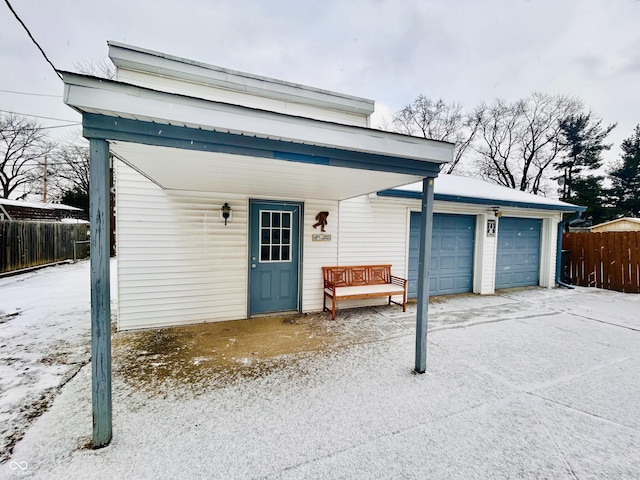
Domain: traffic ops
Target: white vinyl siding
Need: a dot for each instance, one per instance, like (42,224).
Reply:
(548,249)
(177,262)
(317,254)
(485,258)
(373,231)
(219,94)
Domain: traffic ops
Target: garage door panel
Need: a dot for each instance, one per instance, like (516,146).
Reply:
(453,240)
(446,283)
(518,256)
(448,263)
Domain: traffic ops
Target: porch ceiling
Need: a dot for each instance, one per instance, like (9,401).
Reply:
(180,169)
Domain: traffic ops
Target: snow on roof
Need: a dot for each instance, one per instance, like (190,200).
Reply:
(474,190)
(75,221)
(47,206)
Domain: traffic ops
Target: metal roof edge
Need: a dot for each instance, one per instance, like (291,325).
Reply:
(72,79)
(397,193)
(159,63)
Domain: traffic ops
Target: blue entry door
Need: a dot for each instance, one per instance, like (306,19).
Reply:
(273,256)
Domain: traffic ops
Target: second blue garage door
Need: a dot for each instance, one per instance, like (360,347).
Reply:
(518,262)
(452,246)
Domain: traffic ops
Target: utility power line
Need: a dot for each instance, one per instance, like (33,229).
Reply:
(33,39)
(46,128)
(30,94)
(40,116)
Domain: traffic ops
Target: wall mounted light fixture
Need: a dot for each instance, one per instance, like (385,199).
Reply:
(225,212)
(496,212)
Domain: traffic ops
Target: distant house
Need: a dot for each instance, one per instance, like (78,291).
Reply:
(625,224)
(40,212)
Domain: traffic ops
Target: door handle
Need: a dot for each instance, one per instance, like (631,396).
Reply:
(253,265)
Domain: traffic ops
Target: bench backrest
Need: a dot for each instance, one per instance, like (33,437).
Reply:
(349,276)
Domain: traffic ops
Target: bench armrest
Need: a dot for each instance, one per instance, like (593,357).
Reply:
(399,281)
(330,285)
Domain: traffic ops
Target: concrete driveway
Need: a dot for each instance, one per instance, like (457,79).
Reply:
(534,383)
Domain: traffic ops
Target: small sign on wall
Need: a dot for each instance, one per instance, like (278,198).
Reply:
(321,237)
(491,227)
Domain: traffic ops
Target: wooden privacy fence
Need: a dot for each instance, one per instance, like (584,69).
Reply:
(29,244)
(609,260)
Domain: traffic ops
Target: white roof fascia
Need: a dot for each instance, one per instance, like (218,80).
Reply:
(106,97)
(157,63)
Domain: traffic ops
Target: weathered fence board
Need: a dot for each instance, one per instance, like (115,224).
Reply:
(29,244)
(609,260)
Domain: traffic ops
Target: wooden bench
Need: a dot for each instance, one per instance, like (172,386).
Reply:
(361,281)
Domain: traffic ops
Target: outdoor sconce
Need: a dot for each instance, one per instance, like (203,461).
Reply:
(496,212)
(225,212)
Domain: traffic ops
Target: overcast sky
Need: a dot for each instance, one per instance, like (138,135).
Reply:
(468,51)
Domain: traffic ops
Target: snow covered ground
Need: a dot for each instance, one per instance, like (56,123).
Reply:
(525,384)
(44,341)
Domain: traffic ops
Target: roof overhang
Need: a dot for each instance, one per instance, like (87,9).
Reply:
(157,63)
(187,143)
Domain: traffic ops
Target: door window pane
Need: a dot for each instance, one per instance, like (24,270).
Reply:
(275,236)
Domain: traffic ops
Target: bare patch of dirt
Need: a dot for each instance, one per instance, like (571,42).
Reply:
(85,443)
(59,358)
(218,353)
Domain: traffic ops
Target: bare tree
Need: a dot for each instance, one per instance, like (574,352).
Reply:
(437,120)
(518,142)
(97,68)
(23,149)
(71,168)
(497,140)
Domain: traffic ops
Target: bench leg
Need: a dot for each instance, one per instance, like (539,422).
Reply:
(333,310)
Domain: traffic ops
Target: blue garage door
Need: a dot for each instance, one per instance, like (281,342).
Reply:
(451,268)
(518,262)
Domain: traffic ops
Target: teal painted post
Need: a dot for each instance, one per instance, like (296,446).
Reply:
(100,293)
(424,258)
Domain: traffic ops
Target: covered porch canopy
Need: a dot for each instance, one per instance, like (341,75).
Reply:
(186,143)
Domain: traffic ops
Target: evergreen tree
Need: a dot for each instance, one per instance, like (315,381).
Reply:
(589,192)
(582,140)
(75,197)
(626,176)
